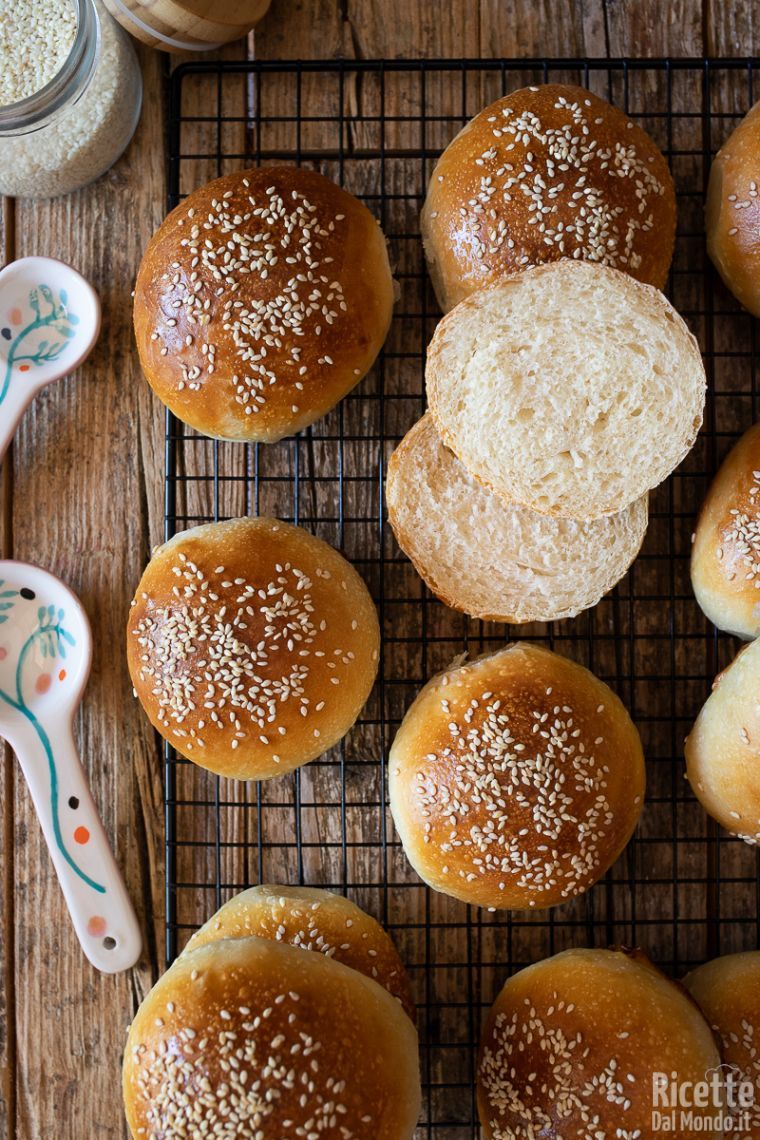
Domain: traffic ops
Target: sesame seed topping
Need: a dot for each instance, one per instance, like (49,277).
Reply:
(232,656)
(565,193)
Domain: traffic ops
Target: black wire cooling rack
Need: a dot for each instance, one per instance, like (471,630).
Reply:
(683,890)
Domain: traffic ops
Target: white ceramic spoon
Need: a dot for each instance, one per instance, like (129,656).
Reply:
(45,656)
(49,321)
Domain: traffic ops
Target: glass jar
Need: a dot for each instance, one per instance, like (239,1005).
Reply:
(75,127)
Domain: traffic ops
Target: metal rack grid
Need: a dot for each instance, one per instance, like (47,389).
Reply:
(683,890)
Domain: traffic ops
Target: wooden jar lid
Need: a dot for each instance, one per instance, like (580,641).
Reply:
(187,25)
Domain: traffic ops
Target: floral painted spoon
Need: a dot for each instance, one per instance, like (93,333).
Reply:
(49,321)
(45,656)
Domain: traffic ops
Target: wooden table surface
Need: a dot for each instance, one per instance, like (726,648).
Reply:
(82,494)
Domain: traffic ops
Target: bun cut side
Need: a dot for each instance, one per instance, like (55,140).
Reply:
(493,559)
(571,388)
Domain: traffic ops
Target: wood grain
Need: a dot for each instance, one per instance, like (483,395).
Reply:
(88,502)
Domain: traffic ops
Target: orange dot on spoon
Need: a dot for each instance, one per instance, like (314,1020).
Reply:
(82,835)
(97,926)
(16,316)
(62,675)
(23,367)
(43,683)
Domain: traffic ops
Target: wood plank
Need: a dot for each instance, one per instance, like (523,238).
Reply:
(70,1021)
(732,29)
(80,508)
(649,28)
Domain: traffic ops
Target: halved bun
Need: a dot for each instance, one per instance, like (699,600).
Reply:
(569,388)
(515,780)
(493,559)
(573,1044)
(313,920)
(544,173)
(725,557)
(723,748)
(252,646)
(252,1038)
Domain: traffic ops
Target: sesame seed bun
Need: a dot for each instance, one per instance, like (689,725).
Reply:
(723,748)
(515,780)
(732,211)
(544,173)
(313,920)
(252,646)
(261,301)
(254,1038)
(570,388)
(725,557)
(571,1046)
(727,991)
(493,559)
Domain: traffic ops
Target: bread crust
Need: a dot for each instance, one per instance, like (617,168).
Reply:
(252,646)
(261,301)
(727,990)
(544,173)
(314,920)
(480,371)
(515,780)
(259,1037)
(571,1045)
(723,748)
(725,556)
(537,568)
(732,211)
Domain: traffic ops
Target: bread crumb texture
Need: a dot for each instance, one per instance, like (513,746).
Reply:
(569,388)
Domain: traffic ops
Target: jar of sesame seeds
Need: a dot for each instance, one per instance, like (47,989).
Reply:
(70,95)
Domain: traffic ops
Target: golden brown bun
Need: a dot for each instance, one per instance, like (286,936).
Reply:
(725,557)
(314,920)
(723,748)
(261,301)
(252,646)
(733,211)
(515,780)
(253,1038)
(728,992)
(572,1044)
(544,173)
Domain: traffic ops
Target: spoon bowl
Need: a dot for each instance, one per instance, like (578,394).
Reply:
(45,657)
(49,322)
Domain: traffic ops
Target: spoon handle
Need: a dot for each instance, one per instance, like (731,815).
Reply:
(100,908)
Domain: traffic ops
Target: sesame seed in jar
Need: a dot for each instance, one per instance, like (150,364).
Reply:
(97,106)
(36,37)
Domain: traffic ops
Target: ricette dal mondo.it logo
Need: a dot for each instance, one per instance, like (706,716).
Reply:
(726,1102)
